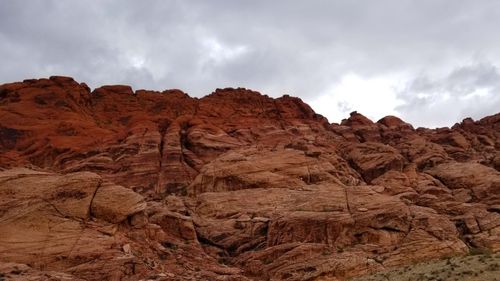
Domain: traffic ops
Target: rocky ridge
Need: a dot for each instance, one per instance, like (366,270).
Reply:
(113,184)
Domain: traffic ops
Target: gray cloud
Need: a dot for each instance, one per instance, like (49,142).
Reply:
(469,90)
(303,48)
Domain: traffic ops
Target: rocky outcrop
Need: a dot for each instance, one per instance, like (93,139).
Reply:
(482,181)
(117,184)
(22,272)
(114,203)
(372,160)
(77,227)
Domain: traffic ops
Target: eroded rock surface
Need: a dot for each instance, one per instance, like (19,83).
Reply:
(113,184)
(77,226)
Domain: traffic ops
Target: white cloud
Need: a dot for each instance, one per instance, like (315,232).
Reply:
(374,98)
(218,52)
(137,61)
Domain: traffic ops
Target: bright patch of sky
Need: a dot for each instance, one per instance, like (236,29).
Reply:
(374,98)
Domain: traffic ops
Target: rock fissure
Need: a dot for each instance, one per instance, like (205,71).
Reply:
(161,149)
(89,212)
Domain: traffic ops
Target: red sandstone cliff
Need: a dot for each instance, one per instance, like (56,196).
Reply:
(121,185)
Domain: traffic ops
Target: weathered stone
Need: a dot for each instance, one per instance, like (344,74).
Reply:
(124,185)
(115,203)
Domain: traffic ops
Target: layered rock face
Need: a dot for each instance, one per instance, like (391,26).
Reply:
(121,185)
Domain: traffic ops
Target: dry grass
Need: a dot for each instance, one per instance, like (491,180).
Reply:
(477,267)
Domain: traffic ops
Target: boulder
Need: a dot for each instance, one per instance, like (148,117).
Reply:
(115,203)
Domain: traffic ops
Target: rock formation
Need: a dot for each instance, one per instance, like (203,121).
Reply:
(113,184)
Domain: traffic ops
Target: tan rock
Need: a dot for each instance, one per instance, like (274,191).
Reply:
(115,203)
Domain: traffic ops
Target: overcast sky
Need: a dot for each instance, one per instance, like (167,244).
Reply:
(430,62)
